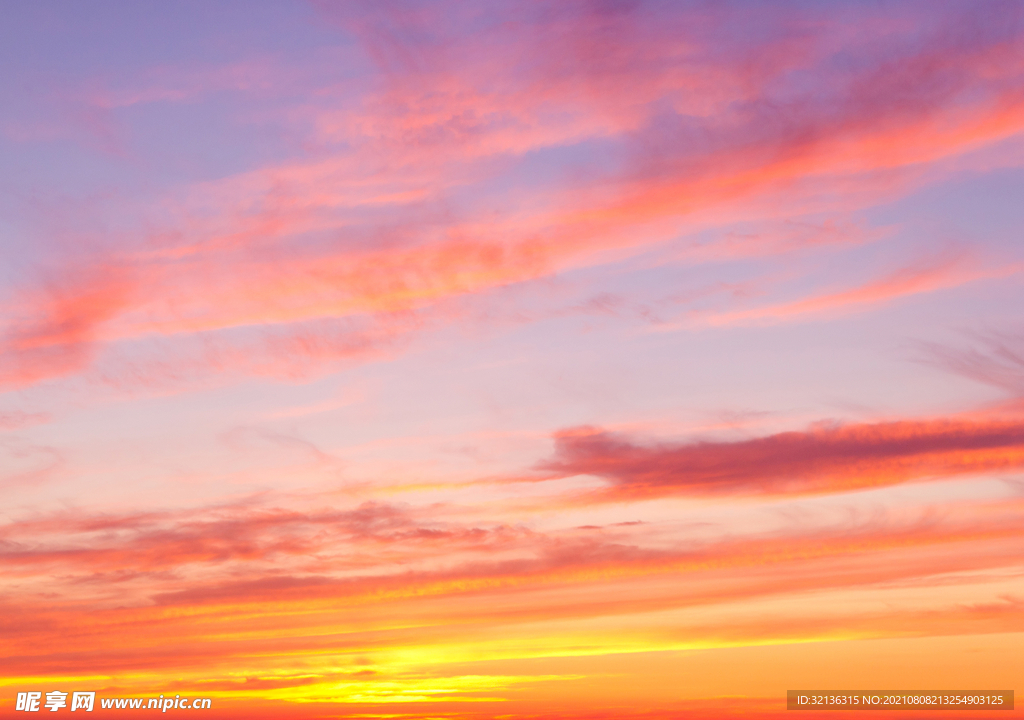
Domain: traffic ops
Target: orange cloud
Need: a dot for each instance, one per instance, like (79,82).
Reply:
(281,637)
(272,609)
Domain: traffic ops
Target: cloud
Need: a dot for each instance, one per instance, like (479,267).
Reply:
(548,597)
(145,545)
(419,191)
(230,552)
(904,282)
(53,332)
(489,145)
(995,359)
(17,419)
(25,463)
(820,459)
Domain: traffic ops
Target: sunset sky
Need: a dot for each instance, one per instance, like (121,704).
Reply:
(485,359)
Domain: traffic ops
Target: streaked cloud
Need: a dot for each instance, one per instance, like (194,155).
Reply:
(827,458)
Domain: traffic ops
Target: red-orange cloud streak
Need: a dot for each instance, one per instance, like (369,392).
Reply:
(816,460)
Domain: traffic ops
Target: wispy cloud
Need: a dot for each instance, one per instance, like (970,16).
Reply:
(994,359)
(548,597)
(18,419)
(902,283)
(53,332)
(387,221)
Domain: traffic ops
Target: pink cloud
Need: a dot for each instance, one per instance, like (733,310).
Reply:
(57,329)
(992,358)
(817,460)
(904,282)
(692,132)
(18,419)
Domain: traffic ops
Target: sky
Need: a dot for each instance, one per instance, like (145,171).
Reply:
(596,359)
